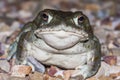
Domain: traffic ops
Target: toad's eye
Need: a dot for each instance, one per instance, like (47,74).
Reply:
(46,17)
(78,20)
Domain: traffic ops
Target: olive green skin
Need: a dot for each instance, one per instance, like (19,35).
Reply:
(59,17)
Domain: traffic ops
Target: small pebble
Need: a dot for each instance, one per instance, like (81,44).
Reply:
(111,60)
(4,76)
(2,49)
(36,76)
(20,70)
(4,65)
(52,70)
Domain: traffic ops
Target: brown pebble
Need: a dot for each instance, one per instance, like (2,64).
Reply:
(21,70)
(36,76)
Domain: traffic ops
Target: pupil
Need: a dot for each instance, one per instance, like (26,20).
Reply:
(81,19)
(45,17)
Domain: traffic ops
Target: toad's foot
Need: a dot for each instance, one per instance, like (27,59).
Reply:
(68,75)
(36,66)
(82,70)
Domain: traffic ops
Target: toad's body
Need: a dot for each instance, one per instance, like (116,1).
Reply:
(63,39)
(51,56)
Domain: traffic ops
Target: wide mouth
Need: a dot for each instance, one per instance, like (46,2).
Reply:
(61,33)
(61,39)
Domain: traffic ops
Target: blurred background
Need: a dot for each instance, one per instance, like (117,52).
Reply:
(104,16)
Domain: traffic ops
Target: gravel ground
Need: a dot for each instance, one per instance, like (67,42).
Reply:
(104,17)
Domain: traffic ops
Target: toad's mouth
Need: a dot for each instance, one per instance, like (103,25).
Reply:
(61,39)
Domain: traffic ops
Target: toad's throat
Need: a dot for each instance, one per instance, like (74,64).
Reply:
(60,39)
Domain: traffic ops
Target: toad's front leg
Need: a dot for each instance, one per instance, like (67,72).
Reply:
(36,66)
(90,68)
